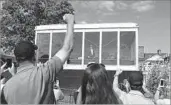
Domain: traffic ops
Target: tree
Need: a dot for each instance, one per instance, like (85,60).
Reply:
(20,17)
(154,76)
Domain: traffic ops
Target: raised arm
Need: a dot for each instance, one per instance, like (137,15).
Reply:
(157,94)
(115,83)
(65,51)
(146,90)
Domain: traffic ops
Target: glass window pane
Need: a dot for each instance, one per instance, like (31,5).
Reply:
(109,48)
(91,47)
(43,46)
(127,48)
(57,42)
(76,55)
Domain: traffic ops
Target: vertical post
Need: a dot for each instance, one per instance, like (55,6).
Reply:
(66,60)
(136,48)
(36,38)
(100,48)
(118,49)
(83,47)
(50,45)
(36,43)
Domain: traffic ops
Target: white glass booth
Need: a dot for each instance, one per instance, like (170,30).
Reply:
(114,44)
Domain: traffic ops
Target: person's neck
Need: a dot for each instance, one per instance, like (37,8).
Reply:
(26,63)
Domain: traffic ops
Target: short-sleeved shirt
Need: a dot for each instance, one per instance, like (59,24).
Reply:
(135,97)
(33,84)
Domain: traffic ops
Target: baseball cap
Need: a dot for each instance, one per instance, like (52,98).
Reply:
(25,50)
(136,78)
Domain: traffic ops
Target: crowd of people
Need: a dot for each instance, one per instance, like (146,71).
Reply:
(29,83)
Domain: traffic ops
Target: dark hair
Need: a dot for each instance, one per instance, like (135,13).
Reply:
(96,86)
(136,80)
(24,50)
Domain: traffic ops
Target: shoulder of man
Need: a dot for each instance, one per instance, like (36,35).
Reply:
(51,68)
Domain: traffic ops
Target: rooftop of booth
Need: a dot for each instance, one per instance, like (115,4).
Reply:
(86,26)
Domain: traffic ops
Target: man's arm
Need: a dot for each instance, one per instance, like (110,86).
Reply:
(115,83)
(157,94)
(149,94)
(55,64)
(65,51)
(146,90)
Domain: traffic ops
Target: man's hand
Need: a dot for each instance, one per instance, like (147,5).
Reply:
(118,72)
(69,18)
(12,70)
(3,67)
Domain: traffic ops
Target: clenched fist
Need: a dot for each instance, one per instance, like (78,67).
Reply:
(118,72)
(69,18)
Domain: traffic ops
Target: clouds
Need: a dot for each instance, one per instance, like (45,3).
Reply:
(100,6)
(91,11)
(115,5)
(108,5)
(143,6)
(120,5)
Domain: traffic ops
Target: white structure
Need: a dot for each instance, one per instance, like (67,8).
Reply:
(155,58)
(114,44)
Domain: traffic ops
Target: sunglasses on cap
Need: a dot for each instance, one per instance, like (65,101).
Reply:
(90,64)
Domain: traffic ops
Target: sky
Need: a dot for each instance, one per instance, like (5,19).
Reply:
(152,16)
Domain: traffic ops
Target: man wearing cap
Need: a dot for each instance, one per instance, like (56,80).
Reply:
(34,84)
(135,95)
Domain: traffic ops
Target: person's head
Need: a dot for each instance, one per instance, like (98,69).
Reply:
(96,87)
(25,51)
(136,80)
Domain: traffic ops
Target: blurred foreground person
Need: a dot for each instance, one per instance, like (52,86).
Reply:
(96,87)
(34,84)
(134,96)
(160,99)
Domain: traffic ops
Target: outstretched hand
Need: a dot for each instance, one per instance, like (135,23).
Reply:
(118,72)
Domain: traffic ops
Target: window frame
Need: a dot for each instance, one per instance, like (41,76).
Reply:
(82,66)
